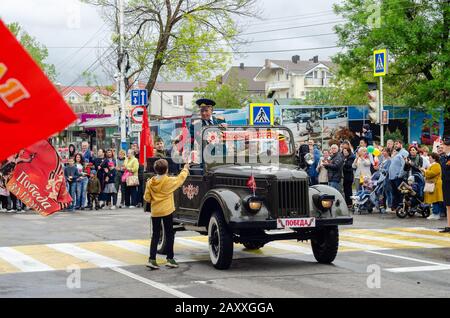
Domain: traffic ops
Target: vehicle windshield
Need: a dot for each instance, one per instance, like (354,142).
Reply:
(241,145)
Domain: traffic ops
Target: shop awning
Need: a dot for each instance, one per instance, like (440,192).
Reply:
(101,122)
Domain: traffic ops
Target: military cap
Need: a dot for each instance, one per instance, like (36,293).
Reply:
(205,102)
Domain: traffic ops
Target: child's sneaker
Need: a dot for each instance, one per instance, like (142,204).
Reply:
(172,263)
(152,264)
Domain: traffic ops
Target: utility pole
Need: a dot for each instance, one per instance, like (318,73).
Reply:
(122,89)
(380,116)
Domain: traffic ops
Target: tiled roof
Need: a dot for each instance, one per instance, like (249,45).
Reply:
(247,74)
(84,90)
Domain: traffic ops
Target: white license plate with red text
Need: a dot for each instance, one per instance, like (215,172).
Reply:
(296,223)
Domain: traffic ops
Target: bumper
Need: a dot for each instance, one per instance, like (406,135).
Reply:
(272,224)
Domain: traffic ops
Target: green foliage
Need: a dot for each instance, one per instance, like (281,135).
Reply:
(395,135)
(417,36)
(38,52)
(233,94)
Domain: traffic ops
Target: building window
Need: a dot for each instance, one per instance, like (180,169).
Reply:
(178,100)
(309,75)
(278,76)
(287,76)
(72,98)
(287,95)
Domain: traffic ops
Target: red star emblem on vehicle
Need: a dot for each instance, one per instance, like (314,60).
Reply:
(190,191)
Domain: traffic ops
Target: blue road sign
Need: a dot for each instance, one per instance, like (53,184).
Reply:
(261,114)
(139,97)
(380,58)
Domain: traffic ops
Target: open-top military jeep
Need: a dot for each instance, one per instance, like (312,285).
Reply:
(240,199)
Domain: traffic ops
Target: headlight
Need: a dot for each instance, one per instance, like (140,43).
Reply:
(323,202)
(253,204)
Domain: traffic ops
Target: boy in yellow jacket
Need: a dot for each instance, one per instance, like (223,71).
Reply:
(159,193)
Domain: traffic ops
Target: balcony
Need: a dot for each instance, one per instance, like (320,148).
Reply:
(276,86)
(317,82)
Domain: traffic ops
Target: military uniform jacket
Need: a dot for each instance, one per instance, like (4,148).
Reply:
(196,126)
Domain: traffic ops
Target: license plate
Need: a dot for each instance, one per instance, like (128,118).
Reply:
(296,223)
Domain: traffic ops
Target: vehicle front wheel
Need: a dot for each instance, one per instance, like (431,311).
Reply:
(253,245)
(401,212)
(220,242)
(325,244)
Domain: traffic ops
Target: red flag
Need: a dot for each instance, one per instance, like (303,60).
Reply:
(146,146)
(251,183)
(31,109)
(184,135)
(36,177)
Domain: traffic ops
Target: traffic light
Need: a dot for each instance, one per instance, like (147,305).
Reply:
(374,107)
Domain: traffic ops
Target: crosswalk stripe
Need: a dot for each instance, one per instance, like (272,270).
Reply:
(53,258)
(22,261)
(444,241)
(81,253)
(122,255)
(372,242)
(360,246)
(291,248)
(6,267)
(390,240)
(424,231)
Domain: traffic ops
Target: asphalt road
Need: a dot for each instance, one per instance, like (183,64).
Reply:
(102,254)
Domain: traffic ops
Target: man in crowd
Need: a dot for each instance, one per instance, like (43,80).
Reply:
(312,170)
(86,152)
(334,167)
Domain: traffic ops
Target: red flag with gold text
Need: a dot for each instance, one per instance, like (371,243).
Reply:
(35,176)
(31,109)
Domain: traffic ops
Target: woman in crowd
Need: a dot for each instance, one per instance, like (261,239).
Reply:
(120,168)
(72,151)
(384,169)
(81,182)
(433,176)
(362,166)
(445,164)
(414,162)
(424,153)
(131,169)
(349,158)
(323,172)
(100,174)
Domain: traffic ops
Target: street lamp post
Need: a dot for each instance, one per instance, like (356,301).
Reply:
(122,89)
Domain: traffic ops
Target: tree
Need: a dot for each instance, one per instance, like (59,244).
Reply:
(232,94)
(38,51)
(416,32)
(177,38)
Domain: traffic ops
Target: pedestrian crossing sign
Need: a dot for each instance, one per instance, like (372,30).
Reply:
(262,115)
(380,62)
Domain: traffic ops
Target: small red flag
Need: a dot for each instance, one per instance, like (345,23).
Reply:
(184,135)
(146,146)
(251,183)
(36,177)
(31,109)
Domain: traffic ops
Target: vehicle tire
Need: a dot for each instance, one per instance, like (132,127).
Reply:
(411,212)
(325,245)
(220,242)
(162,243)
(401,212)
(253,245)
(370,210)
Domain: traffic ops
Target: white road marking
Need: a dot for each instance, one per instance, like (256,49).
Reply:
(130,246)
(22,261)
(360,246)
(85,255)
(390,240)
(154,284)
(143,250)
(290,248)
(412,234)
(429,268)
(407,258)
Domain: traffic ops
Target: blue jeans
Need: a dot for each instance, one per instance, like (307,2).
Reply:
(438,208)
(73,193)
(335,184)
(81,193)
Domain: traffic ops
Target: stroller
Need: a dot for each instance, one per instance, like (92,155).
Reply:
(371,194)
(413,196)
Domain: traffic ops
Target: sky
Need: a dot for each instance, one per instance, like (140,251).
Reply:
(66,25)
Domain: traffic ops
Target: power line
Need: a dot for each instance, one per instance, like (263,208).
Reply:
(295,27)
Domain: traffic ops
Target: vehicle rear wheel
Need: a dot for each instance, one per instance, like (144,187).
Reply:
(220,242)
(162,243)
(401,212)
(325,244)
(426,212)
(253,245)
